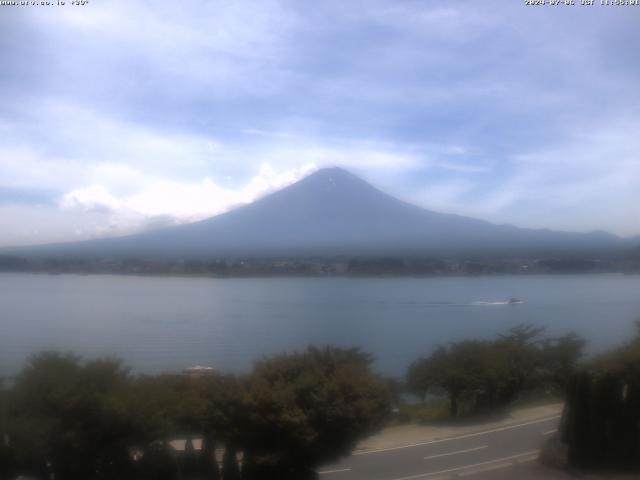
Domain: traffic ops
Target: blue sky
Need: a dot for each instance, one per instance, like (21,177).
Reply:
(120,116)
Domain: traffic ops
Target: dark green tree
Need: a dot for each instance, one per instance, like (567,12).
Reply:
(521,347)
(559,359)
(80,414)
(308,408)
(158,463)
(230,470)
(601,421)
(485,374)
(208,466)
(457,370)
(420,378)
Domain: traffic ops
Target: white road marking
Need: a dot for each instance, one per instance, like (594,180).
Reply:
(456,453)
(549,432)
(325,472)
(466,467)
(469,435)
(497,466)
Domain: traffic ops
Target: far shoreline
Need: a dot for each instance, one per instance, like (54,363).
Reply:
(319,276)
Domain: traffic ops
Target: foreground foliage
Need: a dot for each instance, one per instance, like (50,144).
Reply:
(93,420)
(601,423)
(484,374)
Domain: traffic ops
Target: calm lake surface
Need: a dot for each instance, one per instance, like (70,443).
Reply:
(164,324)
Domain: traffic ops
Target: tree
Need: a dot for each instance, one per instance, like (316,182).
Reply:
(96,422)
(457,371)
(490,373)
(470,370)
(559,360)
(158,463)
(5,452)
(208,464)
(79,412)
(308,408)
(521,347)
(601,421)
(420,378)
(230,470)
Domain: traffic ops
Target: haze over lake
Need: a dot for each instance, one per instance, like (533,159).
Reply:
(165,324)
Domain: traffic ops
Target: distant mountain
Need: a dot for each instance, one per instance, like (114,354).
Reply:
(333,212)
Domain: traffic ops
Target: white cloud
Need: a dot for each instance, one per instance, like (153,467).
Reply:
(130,174)
(179,201)
(93,197)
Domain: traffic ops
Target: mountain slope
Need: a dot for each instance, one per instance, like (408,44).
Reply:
(334,212)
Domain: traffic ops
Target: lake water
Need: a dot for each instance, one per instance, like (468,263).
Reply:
(163,324)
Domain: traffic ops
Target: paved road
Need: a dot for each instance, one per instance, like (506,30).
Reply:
(502,449)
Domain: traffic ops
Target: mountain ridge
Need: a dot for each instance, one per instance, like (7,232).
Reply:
(333,212)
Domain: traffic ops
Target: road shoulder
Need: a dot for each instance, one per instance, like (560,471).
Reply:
(408,435)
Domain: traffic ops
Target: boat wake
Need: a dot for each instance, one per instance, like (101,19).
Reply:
(512,301)
(489,303)
(479,303)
